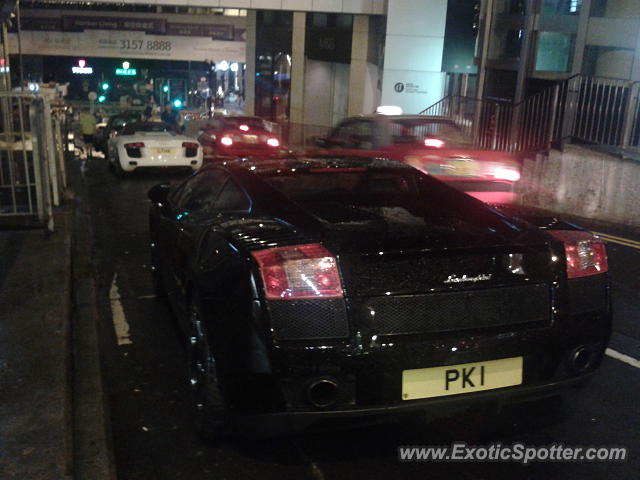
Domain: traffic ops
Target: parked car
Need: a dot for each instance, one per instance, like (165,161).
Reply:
(229,137)
(315,290)
(113,127)
(152,144)
(434,145)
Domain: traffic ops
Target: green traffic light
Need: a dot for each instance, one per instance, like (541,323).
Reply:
(177,103)
(101,98)
(165,89)
(105,86)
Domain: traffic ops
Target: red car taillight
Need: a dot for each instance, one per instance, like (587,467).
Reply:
(190,145)
(506,173)
(434,142)
(273,142)
(298,272)
(130,146)
(586,253)
(226,141)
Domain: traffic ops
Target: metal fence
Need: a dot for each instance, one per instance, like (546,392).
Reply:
(581,109)
(32,154)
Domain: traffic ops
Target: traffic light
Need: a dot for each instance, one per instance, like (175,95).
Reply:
(105,86)
(165,89)
(177,103)
(101,99)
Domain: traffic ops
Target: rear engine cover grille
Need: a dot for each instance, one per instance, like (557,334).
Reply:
(308,319)
(454,311)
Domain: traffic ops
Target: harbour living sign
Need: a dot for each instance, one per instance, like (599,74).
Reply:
(129,44)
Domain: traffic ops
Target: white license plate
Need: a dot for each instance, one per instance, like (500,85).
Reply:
(164,151)
(457,379)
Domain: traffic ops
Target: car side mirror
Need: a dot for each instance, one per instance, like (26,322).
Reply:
(159,193)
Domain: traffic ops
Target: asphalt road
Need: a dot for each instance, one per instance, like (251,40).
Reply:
(148,397)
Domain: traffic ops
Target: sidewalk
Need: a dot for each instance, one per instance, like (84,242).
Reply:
(54,424)
(35,355)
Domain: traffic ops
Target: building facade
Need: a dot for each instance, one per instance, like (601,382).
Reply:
(524,46)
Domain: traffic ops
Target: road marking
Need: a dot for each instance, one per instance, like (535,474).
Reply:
(146,297)
(619,240)
(628,240)
(120,324)
(622,357)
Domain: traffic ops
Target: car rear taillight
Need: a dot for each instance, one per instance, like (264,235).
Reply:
(190,149)
(586,253)
(298,272)
(226,141)
(273,142)
(131,146)
(434,142)
(506,173)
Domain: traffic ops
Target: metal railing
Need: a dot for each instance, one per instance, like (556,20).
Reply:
(32,167)
(581,109)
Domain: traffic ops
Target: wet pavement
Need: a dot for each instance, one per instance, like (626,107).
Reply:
(35,306)
(148,398)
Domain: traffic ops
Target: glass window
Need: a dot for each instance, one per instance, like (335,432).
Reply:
(561,7)
(344,130)
(319,19)
(553,52)
(415,131)
(384,202)
(252,122)
(232,198)
(200,192)
(517,7)
(512,44)
(356,134)
(132,128)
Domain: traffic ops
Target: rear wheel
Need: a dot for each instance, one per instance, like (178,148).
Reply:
(117,168)
(211,414)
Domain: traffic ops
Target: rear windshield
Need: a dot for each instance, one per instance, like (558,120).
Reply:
(386,201)
(416,130)
(132,128)
(252,122)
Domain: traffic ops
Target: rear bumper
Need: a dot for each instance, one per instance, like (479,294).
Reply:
(281,422)
(131,164)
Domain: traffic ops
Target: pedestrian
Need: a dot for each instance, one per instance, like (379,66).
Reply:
(169,116)
(150,108)
(88,130)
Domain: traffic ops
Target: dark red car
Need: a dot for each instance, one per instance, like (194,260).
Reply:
(434,145)
(229,137)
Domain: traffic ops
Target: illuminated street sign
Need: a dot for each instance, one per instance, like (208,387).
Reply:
(82,68)
(125,70)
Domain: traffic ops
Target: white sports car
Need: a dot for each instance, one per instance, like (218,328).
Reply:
(152,144)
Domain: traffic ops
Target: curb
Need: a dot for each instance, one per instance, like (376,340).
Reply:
(64,218)
(93,457)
